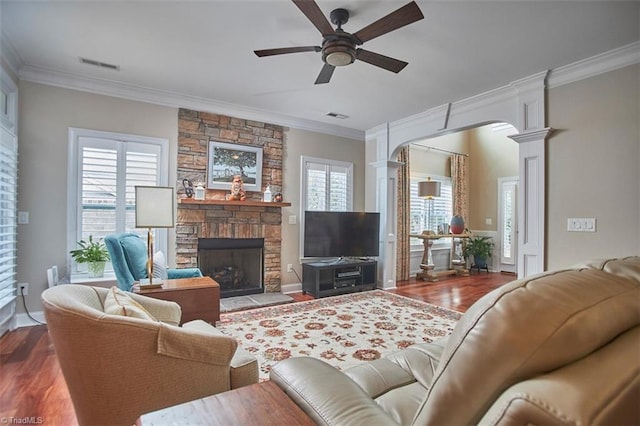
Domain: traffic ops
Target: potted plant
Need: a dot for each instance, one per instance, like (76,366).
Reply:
(94,254)
(480,248)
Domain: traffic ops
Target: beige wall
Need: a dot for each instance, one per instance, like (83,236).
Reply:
(296,144)
(432,162)
(492,155)
(45,114)
(592,166)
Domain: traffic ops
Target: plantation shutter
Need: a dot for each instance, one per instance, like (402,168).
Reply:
(8,226)
(99,177)
(328,186)
(108,172)
(427,216)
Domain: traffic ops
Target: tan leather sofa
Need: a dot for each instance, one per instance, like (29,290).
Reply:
(558,348)
(118,368)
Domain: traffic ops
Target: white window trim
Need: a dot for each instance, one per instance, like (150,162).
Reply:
(9,120)
(73,210)
(442,243)
(303,190)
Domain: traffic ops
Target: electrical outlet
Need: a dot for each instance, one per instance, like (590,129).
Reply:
(23,289)
(289,267)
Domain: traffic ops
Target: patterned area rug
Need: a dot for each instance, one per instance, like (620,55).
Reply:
(341,330)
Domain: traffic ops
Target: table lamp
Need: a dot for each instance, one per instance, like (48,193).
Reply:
(154,209)
(429,189)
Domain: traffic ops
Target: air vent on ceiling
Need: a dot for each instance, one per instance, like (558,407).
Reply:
(99,64)
(336,115)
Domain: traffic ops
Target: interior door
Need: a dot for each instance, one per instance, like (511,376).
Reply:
(508,223)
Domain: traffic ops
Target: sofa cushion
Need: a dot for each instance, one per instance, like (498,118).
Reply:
(135,253)
(117,302)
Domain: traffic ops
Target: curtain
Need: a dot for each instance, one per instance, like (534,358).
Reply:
(404,210)
(460,186)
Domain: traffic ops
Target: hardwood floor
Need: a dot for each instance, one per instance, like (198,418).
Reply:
(32,385)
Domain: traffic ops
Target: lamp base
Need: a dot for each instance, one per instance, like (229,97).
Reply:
(144,284)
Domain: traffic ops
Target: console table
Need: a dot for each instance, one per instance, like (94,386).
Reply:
(457,264)
(259,404)
(199,297)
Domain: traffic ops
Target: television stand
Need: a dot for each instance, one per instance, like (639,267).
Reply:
(322,279)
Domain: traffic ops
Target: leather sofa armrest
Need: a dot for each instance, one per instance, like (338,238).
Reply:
(601,388)
(327,395)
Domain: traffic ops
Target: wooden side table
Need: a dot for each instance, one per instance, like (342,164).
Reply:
(199,298)
(259,404)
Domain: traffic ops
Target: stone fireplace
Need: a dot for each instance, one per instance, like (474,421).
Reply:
(215,217)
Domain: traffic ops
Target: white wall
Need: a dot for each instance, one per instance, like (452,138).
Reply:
(593,169)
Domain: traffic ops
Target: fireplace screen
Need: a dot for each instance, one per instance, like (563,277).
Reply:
(235,263)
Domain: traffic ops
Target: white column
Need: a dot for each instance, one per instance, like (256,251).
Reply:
(531,201)
(387,205)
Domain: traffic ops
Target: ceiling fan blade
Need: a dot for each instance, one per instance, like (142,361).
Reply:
(285,50)
(312,11)
(325,74)
(393,65)
(406,15)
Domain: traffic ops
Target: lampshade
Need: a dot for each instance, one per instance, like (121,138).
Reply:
(429,188)
(154,207)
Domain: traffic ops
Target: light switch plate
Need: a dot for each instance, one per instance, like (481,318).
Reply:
(292,219)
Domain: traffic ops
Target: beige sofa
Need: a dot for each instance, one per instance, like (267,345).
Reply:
(558,348)
(118,368)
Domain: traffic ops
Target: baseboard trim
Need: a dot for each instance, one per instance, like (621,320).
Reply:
(291,288)
(23,320)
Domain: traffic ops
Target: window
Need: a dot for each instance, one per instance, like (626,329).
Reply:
(8,201)
(327,185)
(105,168)
(429,214)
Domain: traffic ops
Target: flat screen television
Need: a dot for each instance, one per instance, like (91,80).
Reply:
(341,234)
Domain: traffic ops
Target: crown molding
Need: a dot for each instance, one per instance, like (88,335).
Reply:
(160,97)
(595,65)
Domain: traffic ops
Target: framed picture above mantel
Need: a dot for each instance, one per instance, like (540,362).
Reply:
(227,160)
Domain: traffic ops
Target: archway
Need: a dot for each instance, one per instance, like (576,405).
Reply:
(490,157)
(520,103)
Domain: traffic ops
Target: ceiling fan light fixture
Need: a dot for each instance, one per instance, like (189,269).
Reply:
(338,53)
(339,59)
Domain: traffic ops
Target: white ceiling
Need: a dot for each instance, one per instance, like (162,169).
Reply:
(205,49)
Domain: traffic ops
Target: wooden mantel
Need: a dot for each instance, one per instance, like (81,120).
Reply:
(248,203)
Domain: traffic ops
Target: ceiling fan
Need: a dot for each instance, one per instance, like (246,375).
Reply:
(339,47)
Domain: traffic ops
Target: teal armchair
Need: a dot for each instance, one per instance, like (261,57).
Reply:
(128,253)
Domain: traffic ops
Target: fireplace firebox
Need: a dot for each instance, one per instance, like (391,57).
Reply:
(237,264)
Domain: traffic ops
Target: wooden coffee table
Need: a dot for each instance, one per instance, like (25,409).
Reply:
(260,404)
(199,298)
